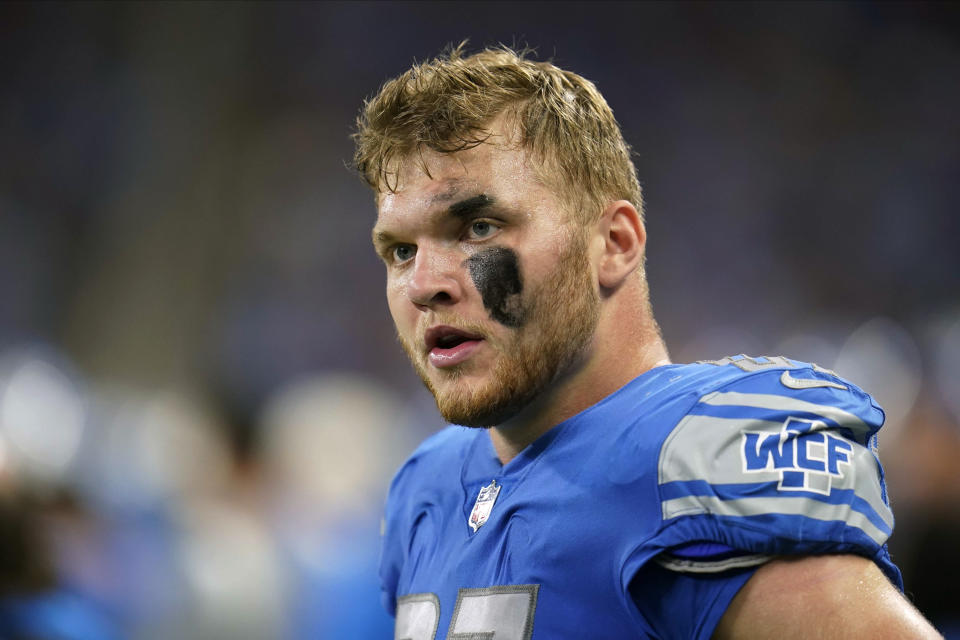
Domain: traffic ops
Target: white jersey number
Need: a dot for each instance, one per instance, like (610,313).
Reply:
(417,617)
(494,613)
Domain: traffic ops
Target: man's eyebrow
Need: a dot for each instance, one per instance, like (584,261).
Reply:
(380,237)
(463,209)
(470,206)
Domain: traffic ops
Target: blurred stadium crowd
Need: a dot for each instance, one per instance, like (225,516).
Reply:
(201,401)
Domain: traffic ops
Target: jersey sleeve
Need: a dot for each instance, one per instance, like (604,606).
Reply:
(682,605)
(782,460)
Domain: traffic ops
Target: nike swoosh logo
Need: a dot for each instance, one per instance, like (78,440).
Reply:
(806,383)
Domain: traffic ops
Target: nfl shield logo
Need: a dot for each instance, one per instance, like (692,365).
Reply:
(483,505)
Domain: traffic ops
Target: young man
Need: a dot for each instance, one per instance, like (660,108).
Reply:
(610,494)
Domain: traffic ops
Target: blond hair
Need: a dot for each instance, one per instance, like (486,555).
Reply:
(448,103)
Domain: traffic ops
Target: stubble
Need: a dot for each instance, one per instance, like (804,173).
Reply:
(561,316)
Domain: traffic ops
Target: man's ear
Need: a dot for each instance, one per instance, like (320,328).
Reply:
(624,242)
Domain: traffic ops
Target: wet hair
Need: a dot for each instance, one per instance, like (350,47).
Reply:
(449,103)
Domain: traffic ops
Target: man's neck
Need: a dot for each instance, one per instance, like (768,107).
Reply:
(601,375)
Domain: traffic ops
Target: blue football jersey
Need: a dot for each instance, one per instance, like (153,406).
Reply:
(640,516)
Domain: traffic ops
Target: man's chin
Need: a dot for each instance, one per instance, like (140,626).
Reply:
(473,404)
(468,403)
(482,417)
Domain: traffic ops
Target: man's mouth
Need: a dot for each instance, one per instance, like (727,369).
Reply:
(449,346)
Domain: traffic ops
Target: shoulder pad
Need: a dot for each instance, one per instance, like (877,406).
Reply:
(780,459)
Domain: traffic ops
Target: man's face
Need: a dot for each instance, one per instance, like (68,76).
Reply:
(488,281)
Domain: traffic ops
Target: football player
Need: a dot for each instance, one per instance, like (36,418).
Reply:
(592,489)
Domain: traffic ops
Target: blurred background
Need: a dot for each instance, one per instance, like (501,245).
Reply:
(201,398)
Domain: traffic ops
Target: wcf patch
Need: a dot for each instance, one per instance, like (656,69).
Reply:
(803,453)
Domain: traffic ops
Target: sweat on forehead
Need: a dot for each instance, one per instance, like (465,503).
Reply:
(468,181)
(447,164)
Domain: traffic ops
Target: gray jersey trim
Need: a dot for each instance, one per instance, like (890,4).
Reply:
(709,448)
(860,429)
(794,505)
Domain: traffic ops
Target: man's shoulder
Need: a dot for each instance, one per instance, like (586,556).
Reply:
(744,408)
(792,374)
(777,382)
(775,456)
(659,400)
(441,453)
(769,384)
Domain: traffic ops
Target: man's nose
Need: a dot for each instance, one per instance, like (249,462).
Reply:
(435,279)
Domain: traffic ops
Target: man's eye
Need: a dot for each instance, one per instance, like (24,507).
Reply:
(403,252)
(482,229)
